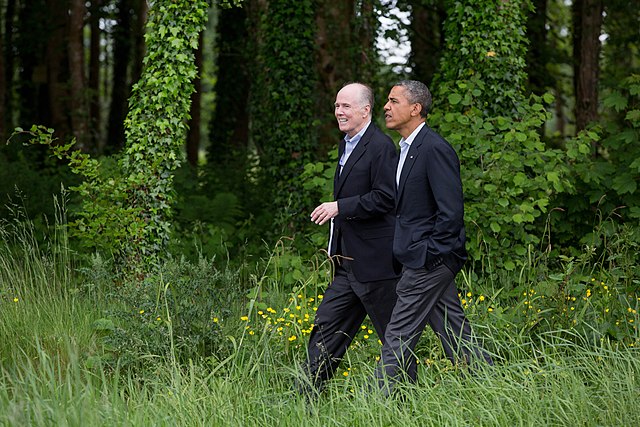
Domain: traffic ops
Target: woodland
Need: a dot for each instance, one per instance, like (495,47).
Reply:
(160,160)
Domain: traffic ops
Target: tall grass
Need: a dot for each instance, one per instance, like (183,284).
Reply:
(47,342)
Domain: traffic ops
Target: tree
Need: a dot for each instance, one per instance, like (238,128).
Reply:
(345,41)
(485,44)
(3,86)
(587,23)
(95,13)
(120,85)
(540,80)
(193,134)
(282,104)
(426,36)
(78,91)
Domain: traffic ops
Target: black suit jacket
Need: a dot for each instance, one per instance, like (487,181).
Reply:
(430,205)
(363,228)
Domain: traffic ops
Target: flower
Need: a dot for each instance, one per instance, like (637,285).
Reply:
(293,338)
(15,299)
(141,312)
(244,318)
(481,298)
(491,54)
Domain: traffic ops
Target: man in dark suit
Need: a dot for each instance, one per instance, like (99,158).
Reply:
(429,240)
(361,236)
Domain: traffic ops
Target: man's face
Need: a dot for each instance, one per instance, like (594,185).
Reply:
(399,114)
(351,115)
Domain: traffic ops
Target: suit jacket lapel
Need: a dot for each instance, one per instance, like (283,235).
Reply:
(353,158)
(410,160)
(336,175)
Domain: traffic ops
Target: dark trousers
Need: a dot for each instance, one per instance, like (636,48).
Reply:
(344,306)
(425,297)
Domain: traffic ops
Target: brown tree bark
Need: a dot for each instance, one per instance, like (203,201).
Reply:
(57,72)
(139,47)
(2,80)
(587,21)
(94,75)
(537,54)
(339,56)
(427,37)
(6,117)
(120,81)
(79,117)
(193,135)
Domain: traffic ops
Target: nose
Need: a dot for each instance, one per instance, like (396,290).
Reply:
(386,106)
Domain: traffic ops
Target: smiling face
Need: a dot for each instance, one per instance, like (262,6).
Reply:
(351,109)
(400,114)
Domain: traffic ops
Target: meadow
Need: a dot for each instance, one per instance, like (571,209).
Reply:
(564,356)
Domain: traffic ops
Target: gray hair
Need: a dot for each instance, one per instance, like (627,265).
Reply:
(417,93)
(365,94)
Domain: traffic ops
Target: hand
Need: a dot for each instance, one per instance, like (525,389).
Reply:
(324,212)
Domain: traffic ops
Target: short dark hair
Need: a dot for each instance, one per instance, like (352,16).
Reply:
(417,93)
(366,94)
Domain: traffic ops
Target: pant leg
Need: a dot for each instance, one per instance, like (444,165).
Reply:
(418,292)
(379,299)
(448,321)
(337,320)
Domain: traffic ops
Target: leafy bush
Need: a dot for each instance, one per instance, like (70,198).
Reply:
(510,178)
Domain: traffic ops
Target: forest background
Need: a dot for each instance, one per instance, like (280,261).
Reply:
(162,159)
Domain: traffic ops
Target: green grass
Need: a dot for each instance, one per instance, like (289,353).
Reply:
(48,374)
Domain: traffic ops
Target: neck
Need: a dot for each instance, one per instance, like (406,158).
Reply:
(411,126)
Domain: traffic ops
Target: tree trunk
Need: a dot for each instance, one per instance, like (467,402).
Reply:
(3,86)
(621,56)
(120,80)
(142,9)
(57,73)
(94,76)
(427,38)
(537,54)
(76,70)
(587,20)
(229,127)
(7,53)
(193,135)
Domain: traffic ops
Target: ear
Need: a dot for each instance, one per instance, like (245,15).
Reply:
(416,109)
(366,110)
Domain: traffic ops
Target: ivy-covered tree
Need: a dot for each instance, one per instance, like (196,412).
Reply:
(282,105)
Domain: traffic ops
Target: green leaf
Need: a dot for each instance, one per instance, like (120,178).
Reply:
(454,98)
(616,101)
(495,227)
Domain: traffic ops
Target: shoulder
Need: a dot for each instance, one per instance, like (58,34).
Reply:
(433,141)
(377,136)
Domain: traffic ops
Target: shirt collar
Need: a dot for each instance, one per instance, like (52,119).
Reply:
(413,135)
(358,135)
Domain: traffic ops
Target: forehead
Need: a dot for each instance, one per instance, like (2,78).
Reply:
(397,92)
(348,95)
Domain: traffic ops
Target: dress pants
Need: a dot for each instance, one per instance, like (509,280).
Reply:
(344,306)
(425,297)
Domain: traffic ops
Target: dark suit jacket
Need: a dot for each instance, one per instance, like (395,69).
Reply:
(363,228)
(430,205)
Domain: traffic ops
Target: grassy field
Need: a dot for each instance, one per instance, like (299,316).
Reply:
(50,373)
